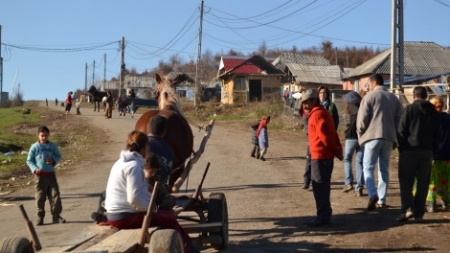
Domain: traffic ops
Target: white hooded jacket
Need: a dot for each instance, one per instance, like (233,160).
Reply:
(127,190)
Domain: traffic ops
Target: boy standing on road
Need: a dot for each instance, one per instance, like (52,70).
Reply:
(324,145)
(77,105)
(42,158)
(418,138)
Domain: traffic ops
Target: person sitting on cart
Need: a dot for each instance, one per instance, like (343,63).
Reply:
(164,200)
(127,195)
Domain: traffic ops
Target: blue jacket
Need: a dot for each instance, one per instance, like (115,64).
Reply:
(165,156)
(39,153)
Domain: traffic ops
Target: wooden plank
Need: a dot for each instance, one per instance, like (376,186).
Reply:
(104,233)
(124,241)
(69,244)
(204,227)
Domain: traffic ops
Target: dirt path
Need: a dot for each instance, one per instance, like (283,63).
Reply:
(267,209)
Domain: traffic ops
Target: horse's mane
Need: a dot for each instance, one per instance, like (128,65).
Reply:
(168,98)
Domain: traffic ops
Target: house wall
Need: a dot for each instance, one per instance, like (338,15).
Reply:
(227,90)
(270,85)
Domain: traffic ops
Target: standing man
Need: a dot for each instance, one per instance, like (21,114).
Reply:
(324,97)
(324,145)
(418,139)
(376,125)
(286,96)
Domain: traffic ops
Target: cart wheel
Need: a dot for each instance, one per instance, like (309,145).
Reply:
(218,212)
(166,241)
(16,245)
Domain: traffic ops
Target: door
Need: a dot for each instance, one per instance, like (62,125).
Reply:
(255,90)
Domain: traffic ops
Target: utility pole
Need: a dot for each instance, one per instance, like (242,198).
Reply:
(1,68)
(104,73)
(122,65)
(397,42)
(199,52)
(335,55)
(93,74)
(85,78)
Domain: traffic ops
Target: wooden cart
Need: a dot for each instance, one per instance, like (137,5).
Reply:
(210,223)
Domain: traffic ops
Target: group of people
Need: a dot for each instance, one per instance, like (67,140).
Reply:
(122,106)
(145,160)
(68,103)
(377,125)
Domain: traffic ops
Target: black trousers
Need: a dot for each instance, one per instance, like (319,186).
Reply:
(414,164)
(307,175)
(321,184)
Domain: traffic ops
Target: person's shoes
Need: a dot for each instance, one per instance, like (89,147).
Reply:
(257,156)
(405,217)
(380,205)
(98,217)
(444,205)
(358,193)
(253,155)
(305,186)
(58,219)
(317,223)
(39,222)
(431,208)
(262,159)
(418,219)
(348,188)
(372,203)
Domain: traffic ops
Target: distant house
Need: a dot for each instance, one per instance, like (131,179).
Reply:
(420,59)
(247,79)
(308,71)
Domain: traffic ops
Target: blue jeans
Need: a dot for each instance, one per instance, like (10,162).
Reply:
(352,145)
(378,150)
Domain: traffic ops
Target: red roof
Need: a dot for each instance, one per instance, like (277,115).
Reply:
(244,66)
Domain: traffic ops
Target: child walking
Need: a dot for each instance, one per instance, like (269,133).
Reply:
(77,105)
(263,137)
(255,149)
(132,108)
(42,158)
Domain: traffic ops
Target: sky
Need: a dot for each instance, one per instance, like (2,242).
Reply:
(46,45)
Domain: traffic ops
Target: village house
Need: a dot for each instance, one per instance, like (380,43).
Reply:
(421,59)
(248,79)
(307,71)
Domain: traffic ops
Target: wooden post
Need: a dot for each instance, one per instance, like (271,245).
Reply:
(148,217)
(176,186)
(30,228)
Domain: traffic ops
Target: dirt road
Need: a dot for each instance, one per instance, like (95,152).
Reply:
(267,208)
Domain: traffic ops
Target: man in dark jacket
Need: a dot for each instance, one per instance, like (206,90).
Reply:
(418,137)
(157,129)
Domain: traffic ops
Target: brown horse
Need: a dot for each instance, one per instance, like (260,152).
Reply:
(179,134)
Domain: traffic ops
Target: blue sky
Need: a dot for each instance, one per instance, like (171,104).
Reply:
(155,30)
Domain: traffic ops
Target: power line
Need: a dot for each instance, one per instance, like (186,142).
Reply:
(58,50)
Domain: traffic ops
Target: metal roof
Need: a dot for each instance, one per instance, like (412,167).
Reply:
(421,59)
(255,65)
(304,59)
(316,74)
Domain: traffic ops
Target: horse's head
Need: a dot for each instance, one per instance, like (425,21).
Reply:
(166,95)
(92,89)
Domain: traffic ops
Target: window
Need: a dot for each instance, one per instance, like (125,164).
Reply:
(239,83)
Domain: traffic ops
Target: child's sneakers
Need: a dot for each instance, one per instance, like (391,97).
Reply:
(58,219)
